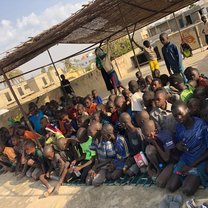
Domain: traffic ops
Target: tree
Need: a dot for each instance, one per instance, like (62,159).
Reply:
(12,76)
(50,68)
(68,66)
(43,70)
(119,47)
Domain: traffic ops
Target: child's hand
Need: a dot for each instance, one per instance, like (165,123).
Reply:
(30,162)
(92,173)
(181,146)
(73,163)
(48,174)
(77,168)
(185,169)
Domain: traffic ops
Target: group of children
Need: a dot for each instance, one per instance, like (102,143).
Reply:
(162,120)
(158,126)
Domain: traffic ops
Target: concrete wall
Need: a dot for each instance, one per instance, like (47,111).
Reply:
(82,86)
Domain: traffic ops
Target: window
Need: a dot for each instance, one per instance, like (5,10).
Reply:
(8,96)
(181,23)
(19,89)
(189,20)
(26,87)
(44,81)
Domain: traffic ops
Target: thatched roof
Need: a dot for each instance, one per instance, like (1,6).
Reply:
(95,22)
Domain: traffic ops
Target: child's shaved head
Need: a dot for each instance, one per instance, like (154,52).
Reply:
(82,134)
(149,128)
(107,132)
(141,117)
(125,117)
(62,143)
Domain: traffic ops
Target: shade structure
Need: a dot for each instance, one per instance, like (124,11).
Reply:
(95,22)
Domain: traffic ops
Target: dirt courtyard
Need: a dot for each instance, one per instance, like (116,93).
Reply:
(27,194)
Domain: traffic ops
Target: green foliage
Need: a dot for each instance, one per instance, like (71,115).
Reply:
(43,70)
(119,47)
(12,75)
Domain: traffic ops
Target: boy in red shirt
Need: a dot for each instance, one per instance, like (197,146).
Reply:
(193,74)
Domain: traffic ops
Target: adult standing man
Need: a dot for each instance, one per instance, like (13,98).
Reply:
(66,86)
(205,29)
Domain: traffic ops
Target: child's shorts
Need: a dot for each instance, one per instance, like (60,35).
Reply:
(114,79)
(197,171)
(154,65)
(33,172)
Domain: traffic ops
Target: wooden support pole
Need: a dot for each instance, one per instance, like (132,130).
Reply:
(19,105)
(17,100)
(54,66)
(179,30)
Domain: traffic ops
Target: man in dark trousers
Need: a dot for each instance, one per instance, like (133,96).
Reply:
(66,86)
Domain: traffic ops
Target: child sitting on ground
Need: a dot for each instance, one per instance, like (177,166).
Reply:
(201,93)
(136,98)
(160,149)
(148,80)
(18,146)
(57,169)
(35,160)
(84,163)
(96,98)
(7,158)
(148,99)
(204,111)
(135,139)
(141,81)
(186,91)
(193,74)
(105,154)
(115,169)
(192,141)
(156,84)
(89,105)
(112,112)
(162,114)
(194,107)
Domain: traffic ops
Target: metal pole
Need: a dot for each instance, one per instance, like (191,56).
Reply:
(17,100)
(177,25)
(127,30)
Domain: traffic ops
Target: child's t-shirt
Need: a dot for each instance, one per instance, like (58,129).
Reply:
(35,119)
(187,94)
(54,138)
(122,151)
(91,109)
(196,140)
(31,135)
(86,149)
(10,153)
(98,100)
(202,82)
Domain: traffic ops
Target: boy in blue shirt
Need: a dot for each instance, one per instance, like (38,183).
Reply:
(172,56)
(96,98)
(192,142)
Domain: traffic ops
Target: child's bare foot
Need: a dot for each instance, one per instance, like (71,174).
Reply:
(48,192)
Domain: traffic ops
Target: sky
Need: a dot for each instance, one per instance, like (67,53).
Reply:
(20,19)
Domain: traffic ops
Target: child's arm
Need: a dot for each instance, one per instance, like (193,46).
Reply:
(142,48)
(78,168)
(165,155)
(62,165)
(166,62)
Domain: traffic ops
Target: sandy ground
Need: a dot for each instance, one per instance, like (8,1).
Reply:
(27,194)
